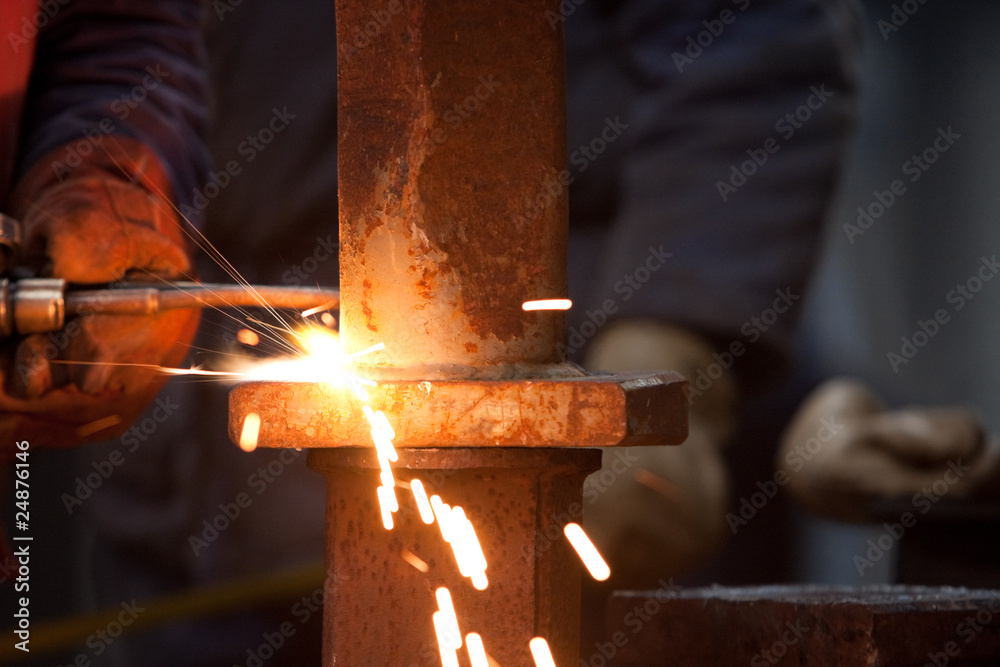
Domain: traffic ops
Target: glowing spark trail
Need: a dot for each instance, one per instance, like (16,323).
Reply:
(588,553)
(547,304)
(423,504)
(251,429)
(477,652)
(540,652)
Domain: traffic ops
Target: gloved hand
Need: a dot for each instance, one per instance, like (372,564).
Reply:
(655,511)
(107,220)
(845,454)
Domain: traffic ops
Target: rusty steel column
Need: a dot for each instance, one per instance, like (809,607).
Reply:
(451,124)
(518,499)
(453,213)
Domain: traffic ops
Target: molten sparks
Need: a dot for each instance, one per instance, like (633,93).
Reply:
(541,653)
(547,304)
(416,561)
(323,361)
(247,337)
(442,512)
(468,551)
(588,553)
(477,652)
(387,504)
(250,432)
(423,504)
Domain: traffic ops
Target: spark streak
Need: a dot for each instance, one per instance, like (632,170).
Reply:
(588,553)
(547,304)
(250,432)
(540,652)
(423,504)
(477,652)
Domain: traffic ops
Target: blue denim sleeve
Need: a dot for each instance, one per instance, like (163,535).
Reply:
(136,69)
(735,119)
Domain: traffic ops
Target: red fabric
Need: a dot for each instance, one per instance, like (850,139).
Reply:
(19,22)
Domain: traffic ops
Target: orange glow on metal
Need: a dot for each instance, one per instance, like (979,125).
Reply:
(547,304)
(250,431)
(588,553)
(247,337)
(540,652)
(477,652)
(328,320)
(423,504)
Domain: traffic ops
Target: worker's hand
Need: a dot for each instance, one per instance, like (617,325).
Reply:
(846,455)
(655,511)
(109,219)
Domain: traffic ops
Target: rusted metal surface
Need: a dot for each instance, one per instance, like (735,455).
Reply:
(381,606)
(820,626)
(591,411)
(451,153)
(451,127)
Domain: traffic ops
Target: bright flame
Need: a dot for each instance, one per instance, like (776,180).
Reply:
(423,504)
(588,553)
(250,432)
(541,653)
(442,512)
(477,652)
(323,362)
(547,304)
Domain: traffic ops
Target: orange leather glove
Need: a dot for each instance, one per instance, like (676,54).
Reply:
(110,218)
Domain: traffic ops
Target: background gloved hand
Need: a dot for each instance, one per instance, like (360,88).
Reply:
(106,220)
(665,511)
(845,454)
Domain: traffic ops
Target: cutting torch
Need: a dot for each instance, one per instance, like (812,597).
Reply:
(36,305)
